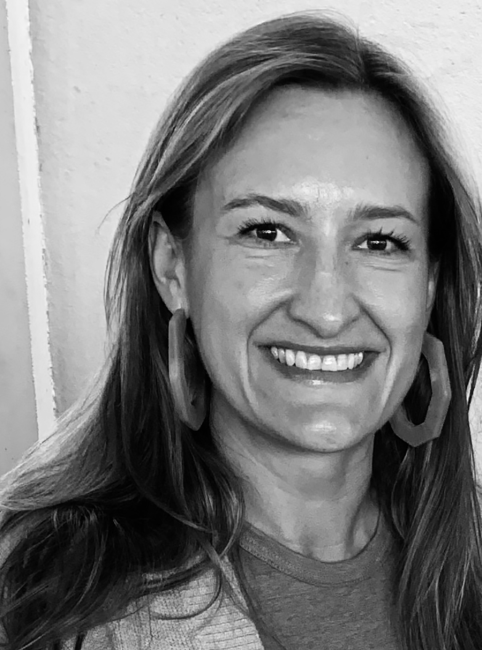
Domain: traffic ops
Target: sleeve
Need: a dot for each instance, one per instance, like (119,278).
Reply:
(127,633)
(100,638)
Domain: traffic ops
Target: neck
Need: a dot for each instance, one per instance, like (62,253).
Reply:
(317,504)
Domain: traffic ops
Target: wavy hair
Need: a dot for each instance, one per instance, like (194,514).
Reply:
(88,496)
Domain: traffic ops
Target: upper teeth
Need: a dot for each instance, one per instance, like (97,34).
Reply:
(316,362)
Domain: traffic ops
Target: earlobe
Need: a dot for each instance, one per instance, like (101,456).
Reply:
(167,265)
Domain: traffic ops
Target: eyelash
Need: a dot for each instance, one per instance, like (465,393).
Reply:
(252,224)
(402,242)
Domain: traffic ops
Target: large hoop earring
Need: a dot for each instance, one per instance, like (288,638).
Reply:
(190,405)
(431,428)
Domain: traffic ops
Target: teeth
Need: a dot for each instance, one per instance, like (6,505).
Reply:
(328,363)
(301,360)
(290,357)
(314,362)
(342,361)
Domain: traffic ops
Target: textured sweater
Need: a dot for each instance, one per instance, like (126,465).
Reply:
(221,627)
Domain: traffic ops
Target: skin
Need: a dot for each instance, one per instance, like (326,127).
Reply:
(305,449)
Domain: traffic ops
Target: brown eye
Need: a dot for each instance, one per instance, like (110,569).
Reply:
(376,244)
(387,243)
(266,233)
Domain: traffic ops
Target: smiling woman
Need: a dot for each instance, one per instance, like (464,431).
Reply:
(278,452)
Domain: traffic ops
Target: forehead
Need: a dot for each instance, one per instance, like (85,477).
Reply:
(326,148)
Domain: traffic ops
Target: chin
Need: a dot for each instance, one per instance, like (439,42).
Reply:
(329,434)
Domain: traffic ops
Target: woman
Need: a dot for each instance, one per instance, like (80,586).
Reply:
(278,453)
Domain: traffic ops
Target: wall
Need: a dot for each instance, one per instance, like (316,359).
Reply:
(18,424)
(103,73)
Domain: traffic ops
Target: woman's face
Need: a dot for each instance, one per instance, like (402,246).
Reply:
(309,247)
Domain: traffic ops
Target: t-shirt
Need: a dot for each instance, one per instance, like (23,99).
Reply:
(318,605)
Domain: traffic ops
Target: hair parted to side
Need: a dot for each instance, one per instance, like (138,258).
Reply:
(123,490)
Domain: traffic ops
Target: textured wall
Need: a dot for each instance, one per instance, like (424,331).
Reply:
(18,426)
(103,73)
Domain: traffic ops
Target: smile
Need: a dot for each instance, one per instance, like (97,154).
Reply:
(330,363)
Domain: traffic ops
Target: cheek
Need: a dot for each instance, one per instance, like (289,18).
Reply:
(399,296)
(238,289)
(397,303)
(228,298)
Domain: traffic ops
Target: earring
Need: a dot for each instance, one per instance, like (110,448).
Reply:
(191,406)
(431,428)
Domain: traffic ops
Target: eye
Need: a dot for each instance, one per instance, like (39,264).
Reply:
(386,243)
(266,232)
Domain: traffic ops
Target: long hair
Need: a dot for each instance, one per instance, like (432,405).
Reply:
(122,489)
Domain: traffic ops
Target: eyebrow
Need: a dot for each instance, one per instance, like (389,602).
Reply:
(294,208)
(368,211)
(291,207)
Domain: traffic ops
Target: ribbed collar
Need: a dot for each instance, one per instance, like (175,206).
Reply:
(367,562)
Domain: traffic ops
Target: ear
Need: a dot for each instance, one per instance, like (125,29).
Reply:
(167,265)
(433,273)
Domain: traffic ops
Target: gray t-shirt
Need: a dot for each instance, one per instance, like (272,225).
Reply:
(314,605)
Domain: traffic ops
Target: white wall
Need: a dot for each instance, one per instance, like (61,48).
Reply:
(103,72)
(18,424)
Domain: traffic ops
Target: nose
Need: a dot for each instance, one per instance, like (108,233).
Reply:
(324,293)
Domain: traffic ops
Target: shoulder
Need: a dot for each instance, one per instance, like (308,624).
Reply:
(150,619)
(99,638)
(221,626)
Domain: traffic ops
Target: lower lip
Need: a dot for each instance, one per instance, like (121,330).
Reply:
(316,377)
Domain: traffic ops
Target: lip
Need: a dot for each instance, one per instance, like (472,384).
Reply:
(322,351)
(317,377)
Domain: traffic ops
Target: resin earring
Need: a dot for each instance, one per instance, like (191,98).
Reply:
(431,428)
(191,406)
